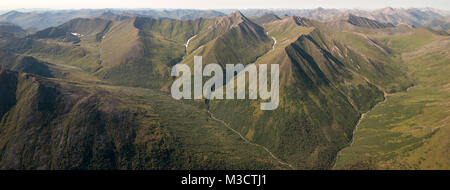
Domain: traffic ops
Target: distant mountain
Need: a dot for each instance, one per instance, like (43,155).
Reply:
(365,22)
(39,20)
(11,28)
(74,29)
(265,18)
(10,32)
(319,13)
(180,14)
(348,21)
(200,14)
(411,16)
(109,15)
(439,24)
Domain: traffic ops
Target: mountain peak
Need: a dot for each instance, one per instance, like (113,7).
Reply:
(236,14)
(232,20)
(387,10)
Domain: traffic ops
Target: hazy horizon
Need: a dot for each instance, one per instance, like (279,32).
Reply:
(215,4)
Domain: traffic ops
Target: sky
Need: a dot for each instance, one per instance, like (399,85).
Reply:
(222,4)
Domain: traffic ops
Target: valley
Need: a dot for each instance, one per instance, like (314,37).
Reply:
(420,142)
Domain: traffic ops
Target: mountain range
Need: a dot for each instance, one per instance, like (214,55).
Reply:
(89,89)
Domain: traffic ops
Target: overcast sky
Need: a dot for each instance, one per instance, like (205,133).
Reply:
(222,4)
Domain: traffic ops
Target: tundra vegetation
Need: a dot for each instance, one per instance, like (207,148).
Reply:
(92,90)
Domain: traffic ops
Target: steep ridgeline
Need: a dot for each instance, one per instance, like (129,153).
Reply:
(324,88)
(53,124)
(231,39)
(363,38)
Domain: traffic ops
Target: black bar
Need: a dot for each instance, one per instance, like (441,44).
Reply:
(273,179)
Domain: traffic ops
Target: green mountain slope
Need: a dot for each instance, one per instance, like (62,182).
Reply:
(54,124)
(324,86)
(410,129)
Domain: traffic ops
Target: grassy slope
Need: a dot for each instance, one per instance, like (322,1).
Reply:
(209,143)
(410,41)
(362,41)
(55,124)
(411,129)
